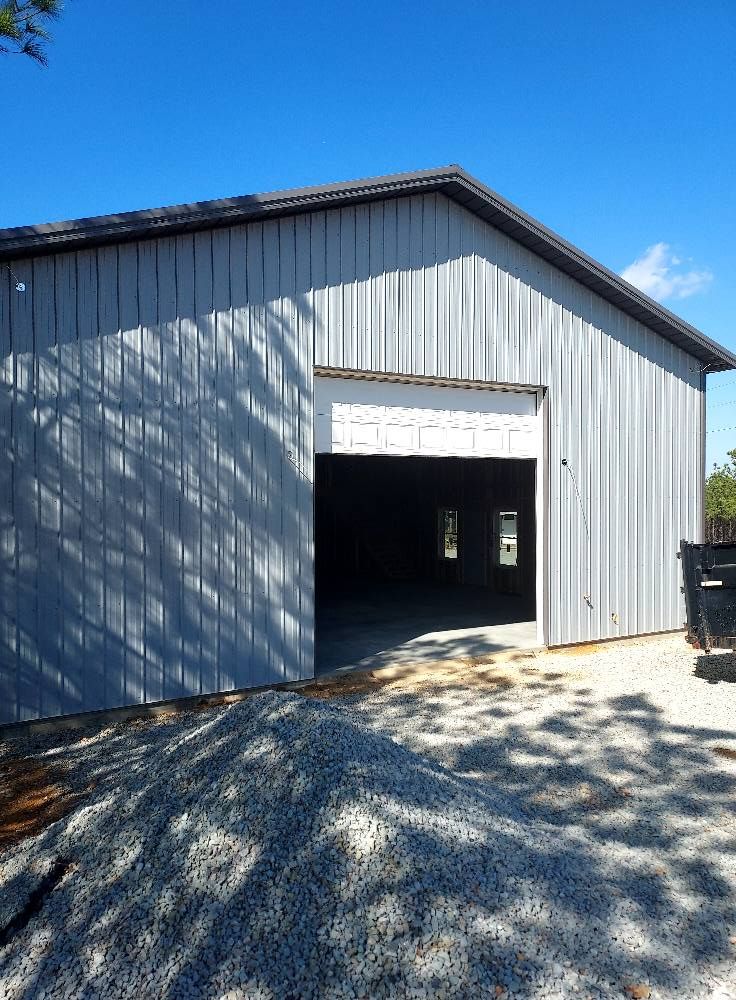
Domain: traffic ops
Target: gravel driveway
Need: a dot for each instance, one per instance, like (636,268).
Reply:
(556,827)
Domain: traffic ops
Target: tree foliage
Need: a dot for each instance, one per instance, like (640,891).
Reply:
(23,27)
(720,489)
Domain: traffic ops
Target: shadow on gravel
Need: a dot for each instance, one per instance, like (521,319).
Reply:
(664,794)
(281,899)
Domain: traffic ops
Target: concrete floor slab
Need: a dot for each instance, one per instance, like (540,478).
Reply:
(387,624)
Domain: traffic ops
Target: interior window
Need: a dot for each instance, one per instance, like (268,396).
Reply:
(448,533)
(507,538)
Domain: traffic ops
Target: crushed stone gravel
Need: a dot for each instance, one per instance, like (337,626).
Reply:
(562,827)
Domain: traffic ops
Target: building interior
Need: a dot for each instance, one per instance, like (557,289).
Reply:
(422,559)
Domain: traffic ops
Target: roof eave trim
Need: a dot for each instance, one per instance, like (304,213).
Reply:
(71,235)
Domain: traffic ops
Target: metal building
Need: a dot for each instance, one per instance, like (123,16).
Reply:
(488,407)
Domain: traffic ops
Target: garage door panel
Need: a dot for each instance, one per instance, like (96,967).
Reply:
(402,437)
(432,439)
(371,417)
(460,439)
(363,434)
(492,440)
(522,442)
(336,435)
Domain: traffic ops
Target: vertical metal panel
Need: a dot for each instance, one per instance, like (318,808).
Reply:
(457,298)
(9,681)
(241,457)
(170,553)
(257,432)
(89,480)
(303,455)
(25,501)
(68,458)
(150,373)
(273,425)
(155,540)
(131,457)
(47,450)
(224,519)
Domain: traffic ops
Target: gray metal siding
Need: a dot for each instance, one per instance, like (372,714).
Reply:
(421,286)
(155,539)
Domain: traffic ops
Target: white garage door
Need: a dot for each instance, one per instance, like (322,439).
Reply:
(356,416)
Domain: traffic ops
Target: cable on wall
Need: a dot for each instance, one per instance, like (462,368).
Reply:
(20,286)
(566,464)
(302,473)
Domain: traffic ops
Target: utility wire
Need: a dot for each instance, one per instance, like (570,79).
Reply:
(586,597)
(302,473)
(721,385)
(19,285)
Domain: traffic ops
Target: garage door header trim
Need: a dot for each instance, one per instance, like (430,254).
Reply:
(452,383)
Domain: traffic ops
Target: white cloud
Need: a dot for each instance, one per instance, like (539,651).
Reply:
(654,273)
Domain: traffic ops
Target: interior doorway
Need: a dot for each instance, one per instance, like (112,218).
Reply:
(423,558)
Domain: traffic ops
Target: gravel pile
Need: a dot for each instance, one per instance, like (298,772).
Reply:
(285,848)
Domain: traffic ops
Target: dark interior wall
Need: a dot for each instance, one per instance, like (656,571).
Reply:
(377,518)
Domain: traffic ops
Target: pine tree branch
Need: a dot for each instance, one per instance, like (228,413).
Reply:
(21,24)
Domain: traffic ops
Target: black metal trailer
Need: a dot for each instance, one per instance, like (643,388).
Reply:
(709,577)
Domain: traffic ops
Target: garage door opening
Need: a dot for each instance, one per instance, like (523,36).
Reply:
(422,558)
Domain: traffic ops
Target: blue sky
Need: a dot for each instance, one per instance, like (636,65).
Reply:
(613,123)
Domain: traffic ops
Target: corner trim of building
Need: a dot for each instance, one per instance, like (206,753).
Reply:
(703,447)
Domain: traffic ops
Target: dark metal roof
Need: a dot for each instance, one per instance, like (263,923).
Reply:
(29,241)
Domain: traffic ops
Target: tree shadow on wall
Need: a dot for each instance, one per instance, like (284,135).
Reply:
(157,535)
